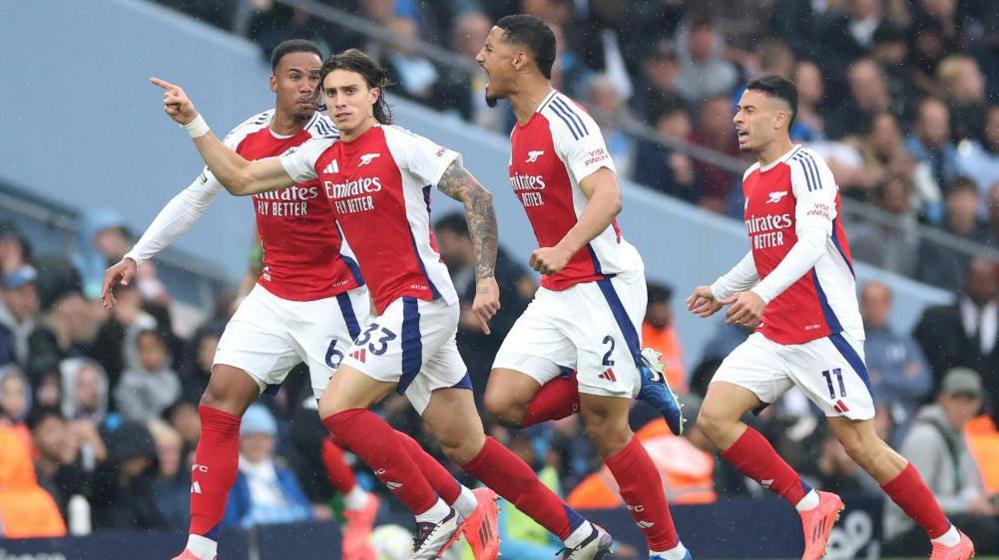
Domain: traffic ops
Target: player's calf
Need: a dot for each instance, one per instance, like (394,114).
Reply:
(867,449)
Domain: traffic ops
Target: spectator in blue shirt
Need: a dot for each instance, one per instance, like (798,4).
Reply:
(930,142)
(900,375)
(266,491)
(979,159)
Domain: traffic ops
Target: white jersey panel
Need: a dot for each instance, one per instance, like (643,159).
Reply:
(580,146)
(815,191)
(422,163)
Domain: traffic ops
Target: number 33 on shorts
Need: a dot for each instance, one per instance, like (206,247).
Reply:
(374,339)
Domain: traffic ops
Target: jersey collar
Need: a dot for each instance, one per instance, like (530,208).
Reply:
(781,159)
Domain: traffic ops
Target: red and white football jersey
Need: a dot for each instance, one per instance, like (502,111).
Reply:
(559,147)
(379,187)
(302,245)
(796,190)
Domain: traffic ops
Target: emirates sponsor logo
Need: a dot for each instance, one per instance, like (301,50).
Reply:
(769,222)
(295,193)
(356,187)
(527,182)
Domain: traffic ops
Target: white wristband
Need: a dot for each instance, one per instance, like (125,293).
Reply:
(197,127)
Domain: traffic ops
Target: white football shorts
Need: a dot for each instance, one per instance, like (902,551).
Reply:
(830,370)
(412,344)
(269,335)
(592,327)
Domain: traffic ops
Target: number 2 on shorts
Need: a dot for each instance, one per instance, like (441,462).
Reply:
(607,357)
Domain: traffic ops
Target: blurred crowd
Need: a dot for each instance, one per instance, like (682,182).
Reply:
(901,97)
(103,403)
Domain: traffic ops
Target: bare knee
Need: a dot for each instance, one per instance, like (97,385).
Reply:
(715,422)
(504,408)
(461,450)
(459,440)
(865,449)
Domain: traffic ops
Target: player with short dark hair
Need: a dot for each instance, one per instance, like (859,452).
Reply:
(796,288)
(588,312)
(309,299)
(292,46)
(378,178)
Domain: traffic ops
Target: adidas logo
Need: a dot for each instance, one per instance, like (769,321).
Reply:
(393,485)
(333,167)
(644,524)
(608,375)
(485,533)
(195,487)
(367,158)
(360,355)
(767,482)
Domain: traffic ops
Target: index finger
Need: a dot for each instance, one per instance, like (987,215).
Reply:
(483,322)
(162,83)
(108,281)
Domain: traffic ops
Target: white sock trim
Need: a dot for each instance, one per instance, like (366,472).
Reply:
(678,552)
(579,535)
(950,538)
(810,501)
(435,514)
(202,547)
(467,503)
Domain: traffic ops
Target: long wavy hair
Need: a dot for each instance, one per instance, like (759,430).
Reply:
(374,76)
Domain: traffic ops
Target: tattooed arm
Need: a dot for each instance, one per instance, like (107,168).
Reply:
(459,184)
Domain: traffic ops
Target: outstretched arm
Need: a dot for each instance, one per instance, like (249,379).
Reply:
(182,212)
(237,175)
(707,300)
(604,204)
(460,185)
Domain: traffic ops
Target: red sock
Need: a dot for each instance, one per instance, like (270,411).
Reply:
(557,399)
(216,463)
(435,473)
(498,468)
(912,495)
(753,455)
(339,472)
(373,440)
(641,489)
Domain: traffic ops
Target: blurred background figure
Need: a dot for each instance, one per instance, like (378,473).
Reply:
(659,333)
(899,374)
(145,391)
(266,490)
(938,448)
(122,495)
